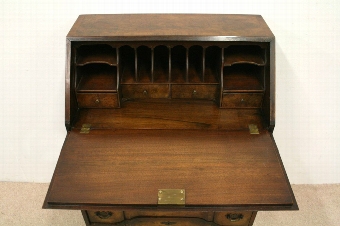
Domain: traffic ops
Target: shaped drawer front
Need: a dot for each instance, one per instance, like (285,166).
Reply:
(97,100)
(145,91)
(160,218)
(208,92)
(107,217)
(242,100)
(232,218)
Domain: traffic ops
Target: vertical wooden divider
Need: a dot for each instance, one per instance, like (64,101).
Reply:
(152,63)
(136,65)
(221,76)
(187,65)
(169,77)
(203,64)
(118,76)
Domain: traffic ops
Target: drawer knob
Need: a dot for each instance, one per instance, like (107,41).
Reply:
(233,217)
(104,214)
(194,92)
(145,92)
(97,101)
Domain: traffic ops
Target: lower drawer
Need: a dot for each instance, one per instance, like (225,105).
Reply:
(108,217)
(242,100)
(97,100)
(232,218)
(176,218)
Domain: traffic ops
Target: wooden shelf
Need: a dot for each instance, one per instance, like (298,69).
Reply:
(97,78)
(244,54)
(88,54)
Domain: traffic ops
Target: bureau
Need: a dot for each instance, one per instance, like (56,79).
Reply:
(169,121)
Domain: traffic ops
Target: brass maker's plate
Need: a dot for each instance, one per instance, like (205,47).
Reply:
(171,196)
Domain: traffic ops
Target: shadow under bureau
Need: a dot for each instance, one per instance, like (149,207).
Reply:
(170,120)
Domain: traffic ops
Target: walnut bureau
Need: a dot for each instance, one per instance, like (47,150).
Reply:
(169,121)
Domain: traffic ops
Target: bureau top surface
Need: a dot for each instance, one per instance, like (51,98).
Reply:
(176,27)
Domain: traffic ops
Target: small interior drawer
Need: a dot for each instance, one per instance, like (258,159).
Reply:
(97,100)
(242,100)
(108,217)
(145,91)
(208,92)
(232,218)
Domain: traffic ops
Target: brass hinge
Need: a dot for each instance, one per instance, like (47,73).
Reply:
(171,196)
(253,129)
(85,128)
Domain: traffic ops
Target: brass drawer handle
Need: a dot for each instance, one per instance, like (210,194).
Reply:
(97,101)
(104,214)
(233,217)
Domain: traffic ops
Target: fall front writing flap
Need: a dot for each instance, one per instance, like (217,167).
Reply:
(128,167)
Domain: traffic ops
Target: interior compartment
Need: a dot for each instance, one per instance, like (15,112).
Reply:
(161,64)
(243,78)
(212,64)
(237,54)
(101,53)
(195,72)
(96,78)
(144,64)
(178,64)
(127,64)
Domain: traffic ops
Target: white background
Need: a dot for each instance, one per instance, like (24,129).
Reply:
(32,62)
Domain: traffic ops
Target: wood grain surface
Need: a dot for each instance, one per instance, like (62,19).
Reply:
(169,26)
(127,167)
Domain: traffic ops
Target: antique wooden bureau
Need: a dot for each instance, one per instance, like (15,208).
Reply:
(170,121)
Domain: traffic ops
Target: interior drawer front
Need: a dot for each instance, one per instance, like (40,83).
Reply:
(107,217)
(232,218)
(145,91)
(208,216)
(242,100)
(194,91)
(97,100)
